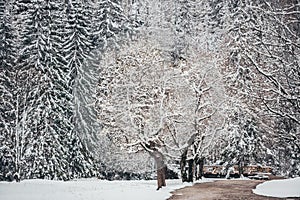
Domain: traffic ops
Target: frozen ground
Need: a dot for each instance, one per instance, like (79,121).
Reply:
(95,189)
(86,189)
(279,188)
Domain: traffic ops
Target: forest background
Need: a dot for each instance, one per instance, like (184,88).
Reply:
(103,88)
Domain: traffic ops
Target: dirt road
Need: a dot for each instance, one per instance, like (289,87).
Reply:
(221,190)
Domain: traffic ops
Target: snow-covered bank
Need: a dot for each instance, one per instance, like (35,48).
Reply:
(279,188)
(87,189)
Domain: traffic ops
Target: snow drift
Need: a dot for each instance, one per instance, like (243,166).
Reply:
(279,188)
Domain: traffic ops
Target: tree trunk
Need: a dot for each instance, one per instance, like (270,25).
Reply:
(184,177)
(199,167)
(161,177)
(160,168)
(190,171)
(241,166)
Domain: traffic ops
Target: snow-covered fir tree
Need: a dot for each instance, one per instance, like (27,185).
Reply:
(8,115)
(81,59)
(110,24)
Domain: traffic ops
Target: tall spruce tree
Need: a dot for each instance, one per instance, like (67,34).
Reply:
(8,117)
(110,24)
(81,58)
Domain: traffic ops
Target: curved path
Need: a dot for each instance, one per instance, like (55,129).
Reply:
(221,190)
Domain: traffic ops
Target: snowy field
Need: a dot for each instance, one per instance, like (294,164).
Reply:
(279,188)
(95,189)
(87,189)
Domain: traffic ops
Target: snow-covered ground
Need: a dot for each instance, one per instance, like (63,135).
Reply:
(95,189)
(87,189)
(279,188)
